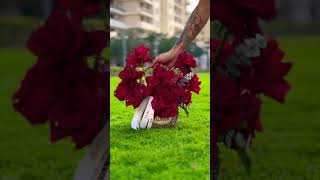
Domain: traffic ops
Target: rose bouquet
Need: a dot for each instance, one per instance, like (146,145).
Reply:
(165,90)
(59,87)
(245,65)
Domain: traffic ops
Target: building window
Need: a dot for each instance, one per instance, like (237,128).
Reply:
(145,5)
(177,19)
(146,19)
(177,10)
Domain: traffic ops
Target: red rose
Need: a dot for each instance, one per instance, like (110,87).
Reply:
(164,84)
(64,96)
(139,57)
(56,39)
(161,77)
(165,105)
(79,108)
(59,87)
(62,39)
(267,73)
(244,115)
(185,62)
(141,53)
(36,93)
(166,100)
(225,52)
(194,84)
(185,97)
(234,109)
(241,17)
(165,92)
(94,42)
(130,88)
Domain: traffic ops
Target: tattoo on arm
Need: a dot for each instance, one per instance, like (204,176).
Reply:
(194,25)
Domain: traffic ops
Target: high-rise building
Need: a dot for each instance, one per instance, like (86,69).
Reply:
(116,16)
(162,16)
(139,14)
(173,16)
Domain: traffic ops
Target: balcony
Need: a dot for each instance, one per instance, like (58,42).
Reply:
(178,4)
(147,10)
(147,1)
(178,10)
(146,19)
(117,9)
(178,19)
(145,26)
(116,24)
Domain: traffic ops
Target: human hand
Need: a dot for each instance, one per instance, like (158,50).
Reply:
(167,59)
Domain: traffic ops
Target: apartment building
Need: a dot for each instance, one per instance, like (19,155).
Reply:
(116,23)
(173,16)
(161,16)
(140,14)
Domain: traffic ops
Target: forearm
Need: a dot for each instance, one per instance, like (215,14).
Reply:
(194,25)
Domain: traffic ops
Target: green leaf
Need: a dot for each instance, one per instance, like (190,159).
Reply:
(185,108)
(261,41)
(233,70)
(216,27)
(232,59)
(246,61)
(186,111)
(244,157)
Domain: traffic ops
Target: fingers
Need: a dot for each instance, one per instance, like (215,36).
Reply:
(150,65)
(172,63)
(153,63)
(161,60)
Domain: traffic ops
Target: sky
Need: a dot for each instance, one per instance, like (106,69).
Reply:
(192,5)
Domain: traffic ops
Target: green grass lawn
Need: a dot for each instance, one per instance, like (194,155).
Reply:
(25,151)
(182,152)
(289,148)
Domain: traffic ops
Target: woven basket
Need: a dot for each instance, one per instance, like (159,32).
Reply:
(164,122)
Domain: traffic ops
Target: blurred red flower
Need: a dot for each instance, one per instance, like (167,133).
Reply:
(225,52)
(139,57)
(241,17)
(61,87)
(233,108)
(267,74)
(63,39)
(82,7)
(37,92)
(78,109)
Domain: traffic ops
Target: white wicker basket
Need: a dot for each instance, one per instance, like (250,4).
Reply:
(164,122)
